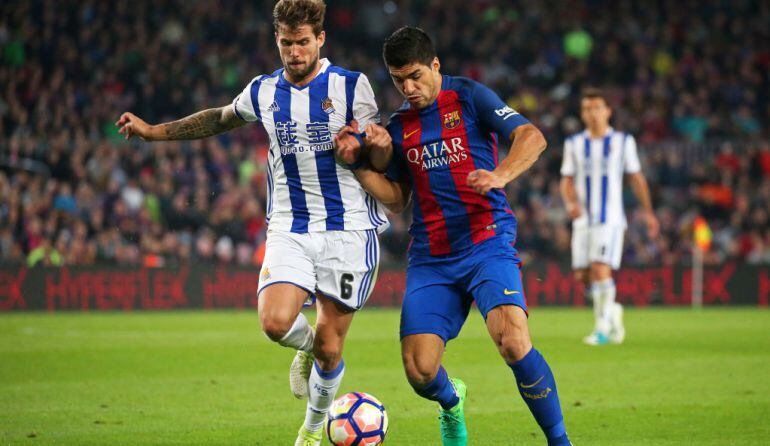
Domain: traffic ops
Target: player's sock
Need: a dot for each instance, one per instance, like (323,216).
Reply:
(607,291)
(322,387)
(600,322)
(537,387)
(439,390)
(300,335)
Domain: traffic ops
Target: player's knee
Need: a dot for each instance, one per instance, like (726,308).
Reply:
(419,372)
(274,326)
(513,344)
(328,352)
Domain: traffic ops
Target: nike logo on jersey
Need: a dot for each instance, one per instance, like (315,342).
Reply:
(508,292)
(407,135)
(529,386)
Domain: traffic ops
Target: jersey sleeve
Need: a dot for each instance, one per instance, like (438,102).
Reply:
(364,105)
(631,162)
(397,169)
(244,105)
(568,160)
(495,114)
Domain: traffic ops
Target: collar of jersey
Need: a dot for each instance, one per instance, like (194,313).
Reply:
(324,65)
(609,131)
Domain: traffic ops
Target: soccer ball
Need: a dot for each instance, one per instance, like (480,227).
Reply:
(357,419)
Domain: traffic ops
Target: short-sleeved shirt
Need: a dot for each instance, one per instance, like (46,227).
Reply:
(435,148)
(597,166)
(307,190)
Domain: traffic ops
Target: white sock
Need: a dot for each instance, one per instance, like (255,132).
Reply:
(321,389)
(607,292)
(596,297)
(300,335)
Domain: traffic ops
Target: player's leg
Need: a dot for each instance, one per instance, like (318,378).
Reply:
(346,271)
(497,288)
(617,328)
(328,369)
(580,265)
(432,313)
(507,325)
(604,255)
(285,282)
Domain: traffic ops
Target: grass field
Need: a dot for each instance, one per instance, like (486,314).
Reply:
(683,377)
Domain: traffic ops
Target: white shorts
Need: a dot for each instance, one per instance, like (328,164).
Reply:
(600,244)
(342,265)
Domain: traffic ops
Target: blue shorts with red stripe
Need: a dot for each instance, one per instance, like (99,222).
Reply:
(440,290)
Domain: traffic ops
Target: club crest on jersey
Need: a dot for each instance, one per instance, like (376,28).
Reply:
(452,119)
(327,106)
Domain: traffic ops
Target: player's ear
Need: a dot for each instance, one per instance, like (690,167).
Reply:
(436,65)
(321,38)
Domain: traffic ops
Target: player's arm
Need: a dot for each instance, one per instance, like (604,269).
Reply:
(203,124)
(642,191)
(569,196)
(527,142)
(567,183)
(633,168)
(527,145)
(348,145)
(393,194)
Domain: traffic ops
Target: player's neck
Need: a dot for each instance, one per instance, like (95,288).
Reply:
(305,80)
(598,132)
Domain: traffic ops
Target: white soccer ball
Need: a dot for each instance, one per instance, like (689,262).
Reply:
(357,419)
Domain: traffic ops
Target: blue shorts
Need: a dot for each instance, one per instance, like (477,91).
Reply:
(440,290)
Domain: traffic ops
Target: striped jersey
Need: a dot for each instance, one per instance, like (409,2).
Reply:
(307,190)
(435,148)
(597,166)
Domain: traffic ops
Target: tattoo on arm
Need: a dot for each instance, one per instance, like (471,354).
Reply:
(202,124)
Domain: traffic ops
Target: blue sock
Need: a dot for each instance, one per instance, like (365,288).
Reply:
(538,389)
(440,389)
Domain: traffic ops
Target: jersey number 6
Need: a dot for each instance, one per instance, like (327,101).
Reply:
(345,287)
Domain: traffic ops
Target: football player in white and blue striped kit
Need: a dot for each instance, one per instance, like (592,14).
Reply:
(322,225)
(592,170)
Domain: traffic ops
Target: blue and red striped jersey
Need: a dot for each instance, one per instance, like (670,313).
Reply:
(435,148)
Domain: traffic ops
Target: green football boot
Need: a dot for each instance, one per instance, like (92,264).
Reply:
(453,431)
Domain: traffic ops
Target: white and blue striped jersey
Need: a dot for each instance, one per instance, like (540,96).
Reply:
(307,190)
(597,166)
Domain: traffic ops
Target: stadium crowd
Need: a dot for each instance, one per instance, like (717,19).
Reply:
(691,80)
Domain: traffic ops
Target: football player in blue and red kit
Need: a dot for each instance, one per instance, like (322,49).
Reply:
(441,147)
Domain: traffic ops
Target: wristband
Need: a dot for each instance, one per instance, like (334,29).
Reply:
(358,163)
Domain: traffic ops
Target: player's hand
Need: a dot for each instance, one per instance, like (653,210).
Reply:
(653,226)
(347,147)
(482,181)
(379,145)
(573,210)
(377,138)
(131,125)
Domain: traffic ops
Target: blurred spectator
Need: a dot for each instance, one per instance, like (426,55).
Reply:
(682,77)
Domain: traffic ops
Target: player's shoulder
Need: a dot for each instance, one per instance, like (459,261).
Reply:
(344,72)
(463,86)
(266,78)
(575,137)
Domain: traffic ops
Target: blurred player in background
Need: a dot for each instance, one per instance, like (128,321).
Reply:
(322,225)
(441,145)
(592,189)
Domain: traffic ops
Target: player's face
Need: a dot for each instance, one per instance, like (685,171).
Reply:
(300,49)
(595,113)
(418,83)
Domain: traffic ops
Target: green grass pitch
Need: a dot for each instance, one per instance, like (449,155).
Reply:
(683,377)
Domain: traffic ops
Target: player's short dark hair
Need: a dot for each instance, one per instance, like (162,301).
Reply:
(408,45)
(594,93)
(295,13)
